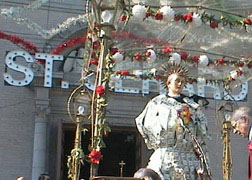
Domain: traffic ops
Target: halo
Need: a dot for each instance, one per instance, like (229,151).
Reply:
(172,68)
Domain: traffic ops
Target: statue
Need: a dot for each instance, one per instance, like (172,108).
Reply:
(175,127)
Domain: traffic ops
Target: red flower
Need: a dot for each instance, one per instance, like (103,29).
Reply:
(124,72)
(188,17)
(94,61)
(148,13)
(95,156)
(184,55)
(221,61)
(248,21)
(214,25)
(167,50)
(100,90)
(159,16)
(123,18)
(196,59)
(138,56)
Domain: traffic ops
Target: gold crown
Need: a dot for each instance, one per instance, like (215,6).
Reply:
(172,68)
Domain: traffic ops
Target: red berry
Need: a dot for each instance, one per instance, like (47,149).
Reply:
(158,16)
(214,25)
(221,61)
(184,55)
(123,18)
(138,56)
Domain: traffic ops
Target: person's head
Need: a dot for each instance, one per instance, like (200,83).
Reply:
(44,176)
(147,174)
(174,78)
(20,178)
(241,120)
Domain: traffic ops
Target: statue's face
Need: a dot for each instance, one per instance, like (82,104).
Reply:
(175,84)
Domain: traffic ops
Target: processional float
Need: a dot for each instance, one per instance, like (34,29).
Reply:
(133,38)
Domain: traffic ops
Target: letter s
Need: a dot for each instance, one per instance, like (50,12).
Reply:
(9,61)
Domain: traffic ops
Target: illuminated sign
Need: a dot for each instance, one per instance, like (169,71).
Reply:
(28,73)
(142,86)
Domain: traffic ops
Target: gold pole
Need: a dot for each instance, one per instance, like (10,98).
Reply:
(77,156)
(227,161)
(77,145)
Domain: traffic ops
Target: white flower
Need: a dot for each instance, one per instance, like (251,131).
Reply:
(196,19)
(203,60)
(233,74)
(139,11)
(238,74)
(117,57)
(175,58)
(152,56)
(168,13)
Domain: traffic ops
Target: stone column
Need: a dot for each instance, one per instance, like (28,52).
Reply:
(40,132)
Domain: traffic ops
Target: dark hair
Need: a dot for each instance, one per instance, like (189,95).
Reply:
(145,172)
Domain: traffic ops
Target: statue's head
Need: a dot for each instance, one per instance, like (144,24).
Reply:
(174,77)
